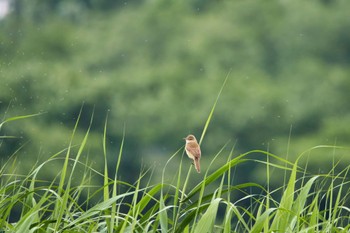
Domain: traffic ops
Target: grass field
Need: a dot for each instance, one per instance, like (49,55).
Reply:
(72,203)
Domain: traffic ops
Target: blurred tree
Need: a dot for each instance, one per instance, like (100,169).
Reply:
(157,67)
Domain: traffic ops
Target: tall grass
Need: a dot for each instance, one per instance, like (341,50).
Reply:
(67,203)
(309,203)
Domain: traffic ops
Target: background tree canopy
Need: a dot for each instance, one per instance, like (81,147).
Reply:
(156,67)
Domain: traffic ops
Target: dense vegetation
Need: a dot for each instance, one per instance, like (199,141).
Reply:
(155,68)
(71,202)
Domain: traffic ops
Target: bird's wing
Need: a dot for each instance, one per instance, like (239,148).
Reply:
(196,150)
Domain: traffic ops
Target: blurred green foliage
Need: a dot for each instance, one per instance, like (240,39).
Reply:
(157,67)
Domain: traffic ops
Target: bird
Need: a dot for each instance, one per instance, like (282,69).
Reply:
(193,150)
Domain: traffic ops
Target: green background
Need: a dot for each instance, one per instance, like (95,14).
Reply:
(156,68)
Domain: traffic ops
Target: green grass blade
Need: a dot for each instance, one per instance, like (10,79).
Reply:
(109,222)
(115,185)
(280,222)
(60,206)
(314,218)
(141,204)
(105,176)
(189,216)
(96,210)
(163,216)
(29,219)
(240,217)
(227,220)
(299,203)
(212,109)
(177,199)
(206,223)
(63,208)
(18,118)
(216,175)
(261,221)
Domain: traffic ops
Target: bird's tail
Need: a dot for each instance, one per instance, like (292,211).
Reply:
(197,165)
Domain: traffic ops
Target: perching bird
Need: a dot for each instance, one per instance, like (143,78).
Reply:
(193,150)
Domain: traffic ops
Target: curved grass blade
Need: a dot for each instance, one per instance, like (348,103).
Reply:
(213,108)
(18,118)
(206,223)
(261,220)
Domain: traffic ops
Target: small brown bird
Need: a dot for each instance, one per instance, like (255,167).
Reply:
(193,150)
